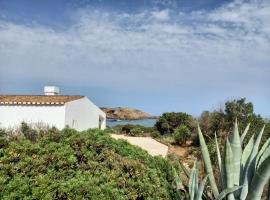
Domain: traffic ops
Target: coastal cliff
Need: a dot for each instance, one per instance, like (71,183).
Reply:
(125,113)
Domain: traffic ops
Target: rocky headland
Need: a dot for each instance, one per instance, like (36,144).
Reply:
(120,113)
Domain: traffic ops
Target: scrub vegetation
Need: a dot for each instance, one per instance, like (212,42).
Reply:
(227,157)
(53,164)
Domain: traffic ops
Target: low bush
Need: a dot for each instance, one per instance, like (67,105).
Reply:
(80,165)
(181,134)
(28,132)
(132,130)
(127,129)
(3,142)
(155,134)
(2,132)
(136,132)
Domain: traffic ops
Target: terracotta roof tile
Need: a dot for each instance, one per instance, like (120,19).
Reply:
(37,99)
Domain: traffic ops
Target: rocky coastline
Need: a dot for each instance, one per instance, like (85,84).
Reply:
(120,113)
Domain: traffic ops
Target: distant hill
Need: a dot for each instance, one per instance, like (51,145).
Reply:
(126,113)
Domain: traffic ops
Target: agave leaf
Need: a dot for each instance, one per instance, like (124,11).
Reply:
(262,155)
(207,163)
(196,182)
(221,170)
(260,178)
(265,155)
(258,140)
(192,182)
(178,181)
(229,168)
(247,151)
(178,184)
(255,150)
(235,144)
(199,193)
(227,191)
(250,167)
(218,152)
(186,171)
(247,174)
(244,133)
(246,154)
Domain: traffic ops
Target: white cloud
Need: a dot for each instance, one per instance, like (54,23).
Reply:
(227,47)
(162,15)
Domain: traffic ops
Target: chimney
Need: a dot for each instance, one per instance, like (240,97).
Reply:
(51,90)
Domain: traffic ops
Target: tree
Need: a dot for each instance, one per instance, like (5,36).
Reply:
(240,109)
(168,122)
(222,120)
(211,122)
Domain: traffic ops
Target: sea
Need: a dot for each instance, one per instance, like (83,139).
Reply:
(143,122)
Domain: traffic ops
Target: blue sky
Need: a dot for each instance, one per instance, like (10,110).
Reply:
(155,55)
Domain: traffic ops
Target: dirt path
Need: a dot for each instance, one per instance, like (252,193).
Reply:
(153,147)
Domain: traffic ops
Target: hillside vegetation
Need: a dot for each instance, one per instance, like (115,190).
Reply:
(67,164)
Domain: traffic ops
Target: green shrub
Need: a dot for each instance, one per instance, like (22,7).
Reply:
(131,130)
(155,134)
(211,146)
(115,129)
(81,165)
(54,135)
(2,132)
(168,122)
(127,128)
(148,129)
(181,134)
(3,138)
(28,132)
(3,142)
(136,132)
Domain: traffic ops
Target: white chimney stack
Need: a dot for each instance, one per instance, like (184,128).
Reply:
(51,90)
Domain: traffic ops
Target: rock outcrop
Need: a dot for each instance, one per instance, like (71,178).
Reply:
(126,113)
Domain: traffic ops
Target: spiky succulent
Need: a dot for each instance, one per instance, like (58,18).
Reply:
(195,189)
(244,171)
(239,167)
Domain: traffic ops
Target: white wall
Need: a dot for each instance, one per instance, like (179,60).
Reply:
(12,115)
(82,114)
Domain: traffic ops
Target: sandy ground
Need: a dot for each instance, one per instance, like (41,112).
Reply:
(153,147)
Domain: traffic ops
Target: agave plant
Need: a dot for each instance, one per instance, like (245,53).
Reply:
(240,167)
(196,189)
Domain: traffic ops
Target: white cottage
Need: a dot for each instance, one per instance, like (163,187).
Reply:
(77,112)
